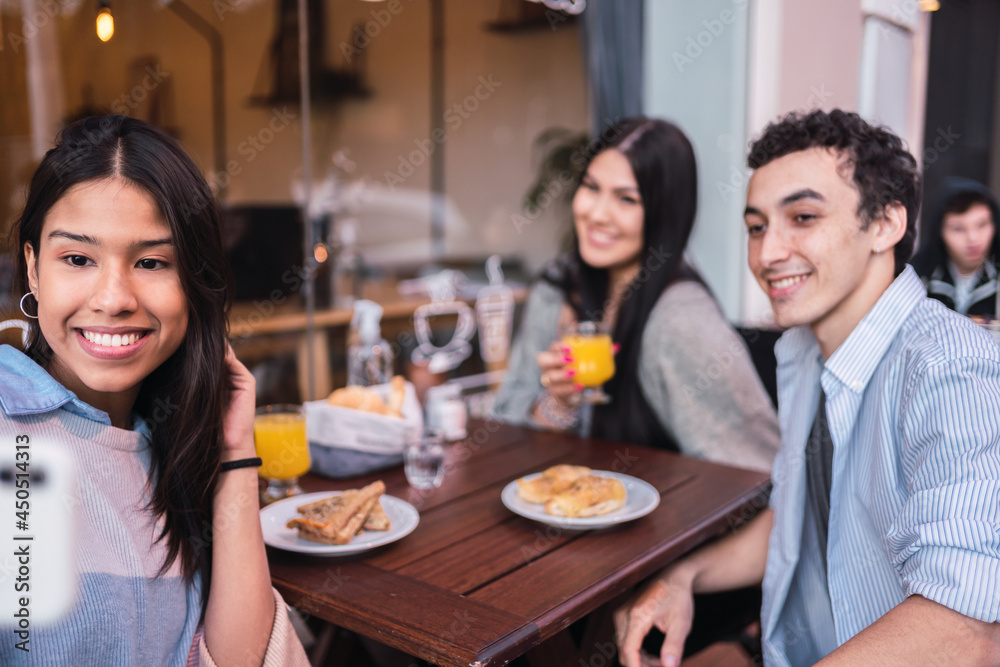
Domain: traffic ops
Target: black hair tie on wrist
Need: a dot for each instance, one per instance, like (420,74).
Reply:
(241,463)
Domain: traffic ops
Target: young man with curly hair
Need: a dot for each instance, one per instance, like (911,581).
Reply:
(880,545)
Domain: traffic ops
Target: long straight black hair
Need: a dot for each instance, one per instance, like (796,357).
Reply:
(663,164)
(182,400)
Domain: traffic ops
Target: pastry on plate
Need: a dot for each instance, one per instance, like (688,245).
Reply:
(588,496)
(552,481)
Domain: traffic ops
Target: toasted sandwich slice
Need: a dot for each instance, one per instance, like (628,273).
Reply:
(377,519)
(337,519)
(316,511)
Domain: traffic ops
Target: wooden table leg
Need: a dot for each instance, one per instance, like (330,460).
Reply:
(598,644)
(723,654)
(324,639)
(597,647)
(333,647)
(558,651)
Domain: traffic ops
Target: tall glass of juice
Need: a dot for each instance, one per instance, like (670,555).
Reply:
(279,433)
(593,358)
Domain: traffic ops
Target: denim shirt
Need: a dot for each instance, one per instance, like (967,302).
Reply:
(27,389)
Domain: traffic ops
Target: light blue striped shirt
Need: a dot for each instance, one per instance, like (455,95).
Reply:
(913,403)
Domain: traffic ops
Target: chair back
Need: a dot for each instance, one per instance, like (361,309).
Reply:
(761,344)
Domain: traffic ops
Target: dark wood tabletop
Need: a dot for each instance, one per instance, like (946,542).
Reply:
(475,584)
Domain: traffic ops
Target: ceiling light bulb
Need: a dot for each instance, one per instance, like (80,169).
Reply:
(320,253)
(105,25)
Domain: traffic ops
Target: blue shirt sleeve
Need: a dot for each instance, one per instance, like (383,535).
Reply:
(945,542)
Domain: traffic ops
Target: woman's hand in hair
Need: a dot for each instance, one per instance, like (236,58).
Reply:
(241,606)
(237,422)
(556,374)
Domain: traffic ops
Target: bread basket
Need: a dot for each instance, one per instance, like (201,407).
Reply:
(344,442)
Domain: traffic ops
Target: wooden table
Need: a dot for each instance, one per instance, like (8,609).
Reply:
(475,584)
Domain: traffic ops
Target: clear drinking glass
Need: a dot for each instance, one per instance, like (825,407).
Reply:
(279,433)
(593,358)
(423,460)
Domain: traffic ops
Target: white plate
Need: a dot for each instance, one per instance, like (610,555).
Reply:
(642,499)
(403,516)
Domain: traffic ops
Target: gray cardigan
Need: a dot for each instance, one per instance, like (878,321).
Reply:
(694,371)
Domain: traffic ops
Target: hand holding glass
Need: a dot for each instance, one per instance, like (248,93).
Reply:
(593,360)
(279,433)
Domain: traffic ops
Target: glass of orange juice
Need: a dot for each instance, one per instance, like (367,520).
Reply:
(279,433)
(593,358)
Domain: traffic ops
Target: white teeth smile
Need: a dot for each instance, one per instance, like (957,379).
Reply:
(787,282)
(601,237)
(111,340)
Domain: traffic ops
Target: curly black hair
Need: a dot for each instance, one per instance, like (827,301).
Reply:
(884,171)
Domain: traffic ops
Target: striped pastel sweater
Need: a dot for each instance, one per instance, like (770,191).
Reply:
(125,614)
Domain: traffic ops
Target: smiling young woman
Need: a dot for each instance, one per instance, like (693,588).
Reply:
(111,305)
(128,366)
(684,380)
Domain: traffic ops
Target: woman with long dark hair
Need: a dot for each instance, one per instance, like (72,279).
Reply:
(126,287)
(684,379)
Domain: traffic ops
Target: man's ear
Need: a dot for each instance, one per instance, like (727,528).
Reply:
(31,261)
(891,227)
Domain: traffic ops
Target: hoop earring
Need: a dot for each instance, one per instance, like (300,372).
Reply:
(21,304)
